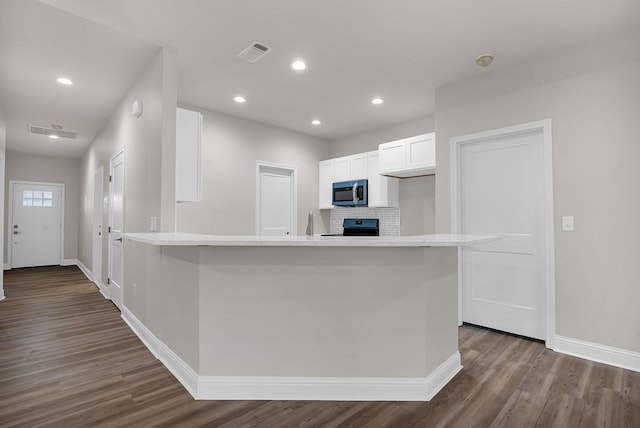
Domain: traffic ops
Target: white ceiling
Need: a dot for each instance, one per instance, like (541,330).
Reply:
(400,50)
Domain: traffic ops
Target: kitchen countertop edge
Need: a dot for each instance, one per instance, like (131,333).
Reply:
(194,239)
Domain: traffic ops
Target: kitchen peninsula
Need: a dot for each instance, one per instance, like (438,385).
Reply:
(325,318)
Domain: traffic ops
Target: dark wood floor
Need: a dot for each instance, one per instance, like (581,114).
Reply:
(67,359)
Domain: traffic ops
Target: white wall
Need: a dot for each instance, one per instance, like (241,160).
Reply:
(230,148)
(592,95)
(3,145)
(143,140)
(417,195)
(24,167)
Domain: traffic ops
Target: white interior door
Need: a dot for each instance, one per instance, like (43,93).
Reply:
(275,202)
(116,220)
(502,192)
(36,226)
(96,259)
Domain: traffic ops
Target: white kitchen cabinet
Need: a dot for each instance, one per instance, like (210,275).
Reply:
(188,161)
(342,168)
(409,157)
(326,177)
(352,167)
(359,166)
(383,191)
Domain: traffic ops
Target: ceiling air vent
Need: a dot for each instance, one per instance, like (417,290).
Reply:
(51,131)
(254,51)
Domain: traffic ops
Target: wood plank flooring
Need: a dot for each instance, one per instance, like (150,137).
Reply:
(68,360)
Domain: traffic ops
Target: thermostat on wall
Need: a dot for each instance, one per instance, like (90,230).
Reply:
(136,109)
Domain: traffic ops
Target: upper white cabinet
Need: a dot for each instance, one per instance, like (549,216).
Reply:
(409,157)
(326,177)
(352,167)
(188,164)
(382,191)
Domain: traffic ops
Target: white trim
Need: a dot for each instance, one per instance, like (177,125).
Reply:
(143,333)
(6,266)
(85,270)
(180,370)
(328,388)
(10,214)
(294,194)
(97,240)
(455,143)
(69,262)
(294,388)
(617,357)
(110,221)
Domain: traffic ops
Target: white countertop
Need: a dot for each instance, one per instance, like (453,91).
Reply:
(194,239)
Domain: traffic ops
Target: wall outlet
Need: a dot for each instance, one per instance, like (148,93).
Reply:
(567,223)
(153,224)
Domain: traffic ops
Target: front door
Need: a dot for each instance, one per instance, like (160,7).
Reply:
(275,202)
(116,216)
(36,224)
(502,192)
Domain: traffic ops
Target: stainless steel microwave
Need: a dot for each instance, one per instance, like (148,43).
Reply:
(350,193)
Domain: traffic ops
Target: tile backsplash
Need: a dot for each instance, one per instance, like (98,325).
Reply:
(389,218)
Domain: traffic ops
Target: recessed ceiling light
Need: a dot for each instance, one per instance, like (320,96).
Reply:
(484,60)
(377,101)
(239,99)
(298,65)
(64,81)
(53,137)
(316,122)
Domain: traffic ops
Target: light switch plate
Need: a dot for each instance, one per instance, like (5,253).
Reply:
(567,223)
(153,224)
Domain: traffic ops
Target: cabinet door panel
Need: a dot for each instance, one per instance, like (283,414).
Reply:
(392,156)
(343,168)
(359,166)
(421,153)
(325,182)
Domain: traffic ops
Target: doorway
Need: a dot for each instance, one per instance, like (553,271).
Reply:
(96,258)
(502,185)
(36,219)
(276,205)
(116,227)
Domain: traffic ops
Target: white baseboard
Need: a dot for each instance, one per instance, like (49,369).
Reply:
(143,333)
(104,290)
(294,388)
(70,262)
(599,353)
(85,270)
(328,388)
(7,266)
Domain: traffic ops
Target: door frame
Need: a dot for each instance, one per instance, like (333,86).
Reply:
(110,222)
(97,241)
(12,183)
(543,126)
(293,172)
